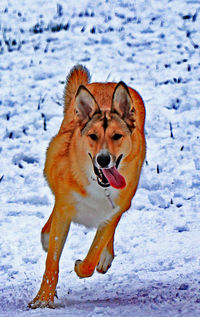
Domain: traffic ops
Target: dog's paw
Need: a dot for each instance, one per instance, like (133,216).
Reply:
(47,291)
(45,241)
(82,269)
(104,262)
(41,304)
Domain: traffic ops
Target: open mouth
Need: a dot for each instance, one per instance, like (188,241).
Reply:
(101,179)
(110,176)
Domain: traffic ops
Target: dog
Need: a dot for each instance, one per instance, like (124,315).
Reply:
(93,167)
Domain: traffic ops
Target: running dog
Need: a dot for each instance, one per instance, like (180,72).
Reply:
(93,167)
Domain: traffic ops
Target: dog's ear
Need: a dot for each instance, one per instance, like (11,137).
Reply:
(123,104)
(85,105)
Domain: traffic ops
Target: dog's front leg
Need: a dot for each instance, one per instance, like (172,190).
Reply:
(107,257)
(103,236)
(58,233)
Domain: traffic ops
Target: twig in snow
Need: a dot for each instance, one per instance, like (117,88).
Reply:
(1,178)
(45,122)
(40,102)
(171,130)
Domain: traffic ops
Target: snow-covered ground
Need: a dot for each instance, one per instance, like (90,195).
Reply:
(154,47)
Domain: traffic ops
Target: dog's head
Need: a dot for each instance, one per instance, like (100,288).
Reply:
(107,132)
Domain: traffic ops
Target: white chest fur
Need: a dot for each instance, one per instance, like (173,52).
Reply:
(97,207)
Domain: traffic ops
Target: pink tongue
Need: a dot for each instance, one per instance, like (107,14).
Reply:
(115,179)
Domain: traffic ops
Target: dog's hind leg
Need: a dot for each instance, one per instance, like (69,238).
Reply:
(45,233)
(107,257)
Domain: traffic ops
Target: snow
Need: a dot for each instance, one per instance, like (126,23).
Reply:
(153,46)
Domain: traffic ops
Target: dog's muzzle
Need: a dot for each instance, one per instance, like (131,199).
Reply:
(102,163)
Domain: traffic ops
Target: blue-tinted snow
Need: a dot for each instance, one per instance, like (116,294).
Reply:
(154,47)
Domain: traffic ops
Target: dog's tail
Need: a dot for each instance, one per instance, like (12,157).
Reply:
(79,75)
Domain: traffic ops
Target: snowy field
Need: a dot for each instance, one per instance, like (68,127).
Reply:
(154,47)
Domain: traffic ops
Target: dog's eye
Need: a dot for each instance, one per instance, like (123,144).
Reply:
(93,136)
(117,136)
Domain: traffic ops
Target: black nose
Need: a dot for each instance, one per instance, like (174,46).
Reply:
(103,160)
